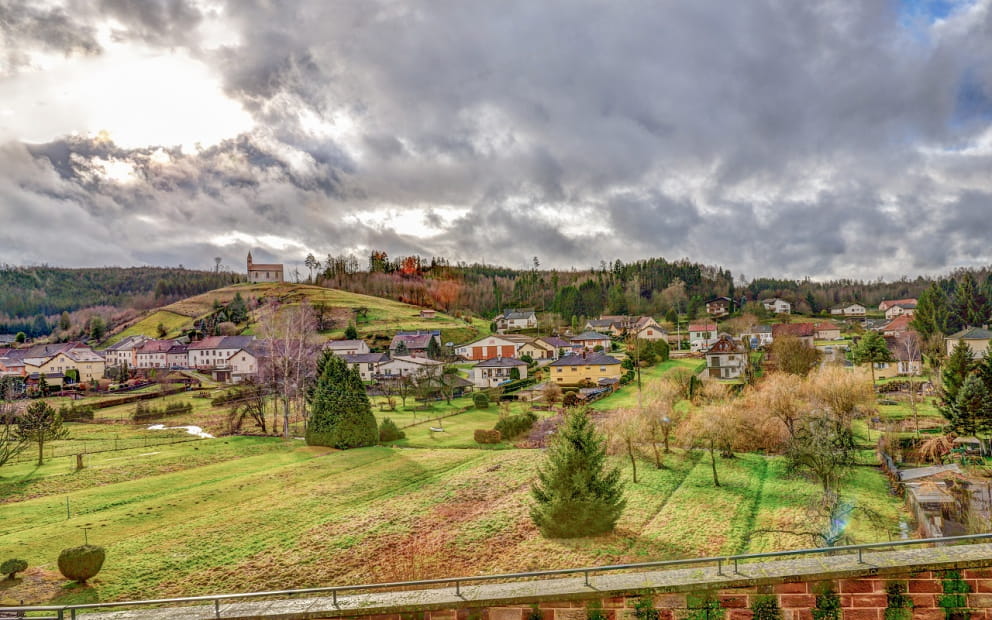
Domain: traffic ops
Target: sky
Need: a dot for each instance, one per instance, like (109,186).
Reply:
(771,137)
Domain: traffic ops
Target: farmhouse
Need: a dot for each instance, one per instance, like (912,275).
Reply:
(777,306)
(259,272)
(496,371)
(650,331)
(588,368)
(516,319)
(719,306)
(154,354)
(405,366)
(726,359)
(888,303)
(906,359)
(849,309)
(215,351)
(346,347)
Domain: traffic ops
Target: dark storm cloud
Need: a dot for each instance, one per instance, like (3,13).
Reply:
(773,137)
(25,25)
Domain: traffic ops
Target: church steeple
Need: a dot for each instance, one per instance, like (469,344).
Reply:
(249,260)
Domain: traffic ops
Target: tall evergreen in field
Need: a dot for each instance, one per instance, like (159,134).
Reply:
(969,303)
(973,411)
(575,493)
(341,416)
(932,314)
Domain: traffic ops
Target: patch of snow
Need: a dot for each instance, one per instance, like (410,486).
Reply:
(192,430)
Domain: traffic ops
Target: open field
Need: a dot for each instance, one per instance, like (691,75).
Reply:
(627,396)
(175,324)
(240,513)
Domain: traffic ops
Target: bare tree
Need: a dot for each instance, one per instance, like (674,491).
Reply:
(12,442)
(248,404)
(290,353)
(624,429)
(660,417)
(909,347)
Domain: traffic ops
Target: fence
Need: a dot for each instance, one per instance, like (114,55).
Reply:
(72,447)
(731,564)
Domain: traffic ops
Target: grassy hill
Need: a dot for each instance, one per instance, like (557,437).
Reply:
(383,319)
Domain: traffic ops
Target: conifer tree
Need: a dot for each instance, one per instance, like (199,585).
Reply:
(351,332)
(576,494)
(969,304)
(341,416)
(972,411)
(955,372)
(433,349)
(871,349)
(41,423)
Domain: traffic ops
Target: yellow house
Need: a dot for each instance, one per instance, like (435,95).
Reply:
(89,365)
(589,368)
(537,350)
(977,339)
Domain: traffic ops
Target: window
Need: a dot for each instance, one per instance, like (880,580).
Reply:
(602,369)
(559,370)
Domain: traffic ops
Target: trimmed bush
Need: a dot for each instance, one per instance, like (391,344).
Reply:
(81,563)
(480,400)
(13,566)
(483,435)
(513,425)
(73,412)
(388,431)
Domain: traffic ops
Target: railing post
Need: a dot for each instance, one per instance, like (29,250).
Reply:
(217,608)
(72,613)
(458,589)
(334,597)
(735,567)
(719,567)
(587,578)
(860,561)
(61,614)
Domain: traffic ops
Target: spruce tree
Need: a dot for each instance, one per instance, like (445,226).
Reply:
(972,410)
(575,493)
(956,370)
(969,304)
(433,349)
(341,416)
(871,349)
(351,332)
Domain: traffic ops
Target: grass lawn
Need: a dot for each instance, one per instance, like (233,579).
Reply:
(175,324)
(241,514)
(627,396)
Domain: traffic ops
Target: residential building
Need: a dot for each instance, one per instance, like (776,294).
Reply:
(777,306)
(650,331)
(977,339)
(516,319)
(907,308)
(719,306)
(215,351)
(177,356)
(560,346)
(488,348)
(585,368)
(899,325)
(825,330)
(803,331)
(758,336)
(415,343)
(88,363)
(497,371)
(58,360)
(347,347)
(404,366)
(702,336)
(588,341)
(153,354)
(367,364)
(888,303)
(849,309)
(906,360)
(124,352)
(605,325)
(259,272)
(427,313)
(726,359)
(244,362)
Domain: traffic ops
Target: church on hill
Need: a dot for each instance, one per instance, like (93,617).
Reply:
(259,272)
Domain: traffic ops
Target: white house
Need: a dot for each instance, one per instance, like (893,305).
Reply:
(725,359)
(905,308)
(347,347)
(512,320)
(215,351)
(852,309)
(702,336)
(405,366)
(496,371)
(367,364)
(758,335)
(776,305)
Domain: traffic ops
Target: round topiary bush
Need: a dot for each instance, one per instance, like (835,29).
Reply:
(480,400)
(81,563)
(13,566)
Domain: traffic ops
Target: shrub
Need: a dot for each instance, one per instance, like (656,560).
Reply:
(644,609)
(827,604)
(81,563)
(73,412)
(899,606)
(480,400)
(513,425)
(483,435)
(143,411)
(13,566)
(766,607)
(571,399)
(388,431)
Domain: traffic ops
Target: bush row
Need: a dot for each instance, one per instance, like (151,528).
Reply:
(513,425)
(147,412)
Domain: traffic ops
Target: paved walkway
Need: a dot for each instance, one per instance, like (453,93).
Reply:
(804,568)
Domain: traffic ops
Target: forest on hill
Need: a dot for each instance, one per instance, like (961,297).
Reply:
(32,299)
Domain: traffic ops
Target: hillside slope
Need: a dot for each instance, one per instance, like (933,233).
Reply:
(383,319)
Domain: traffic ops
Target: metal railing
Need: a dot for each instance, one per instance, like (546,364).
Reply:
(71,611)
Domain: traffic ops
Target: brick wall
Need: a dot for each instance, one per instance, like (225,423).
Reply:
(862,598)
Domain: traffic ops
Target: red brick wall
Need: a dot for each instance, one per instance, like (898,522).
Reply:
(861,599)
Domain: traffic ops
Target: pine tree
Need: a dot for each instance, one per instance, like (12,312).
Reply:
(871,350)
(433,349)
(955,372)
(972,411)
(932,312)
(341,416)
(575,494)
(351,332)
(969,304)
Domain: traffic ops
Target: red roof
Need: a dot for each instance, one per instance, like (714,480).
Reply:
(888,303)
(702,327)
(825,326)
(725,345)
(799,330)
(898,324)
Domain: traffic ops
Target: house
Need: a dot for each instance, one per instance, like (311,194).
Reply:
(516,319)
(367,364)
(535,348)
(89,364)
(7,339)
(404,366)
(415,343)
(588,368)
(899,325)
(154,354)
(497,371)
(605,325)
(488,348)
(243,363)
(803,331)
(726,359)
(849,309)
(560,346)
(826,330)
(702,336)
(347,347)
(588,341)
(758,336)
(977,339)
(777,306)
(427,313)
(888,303)
(124,352)
(259,272)
(719,306)
(66,362)
(906,360)
(215,351)
(177,356)
(907,308)
(650,331)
